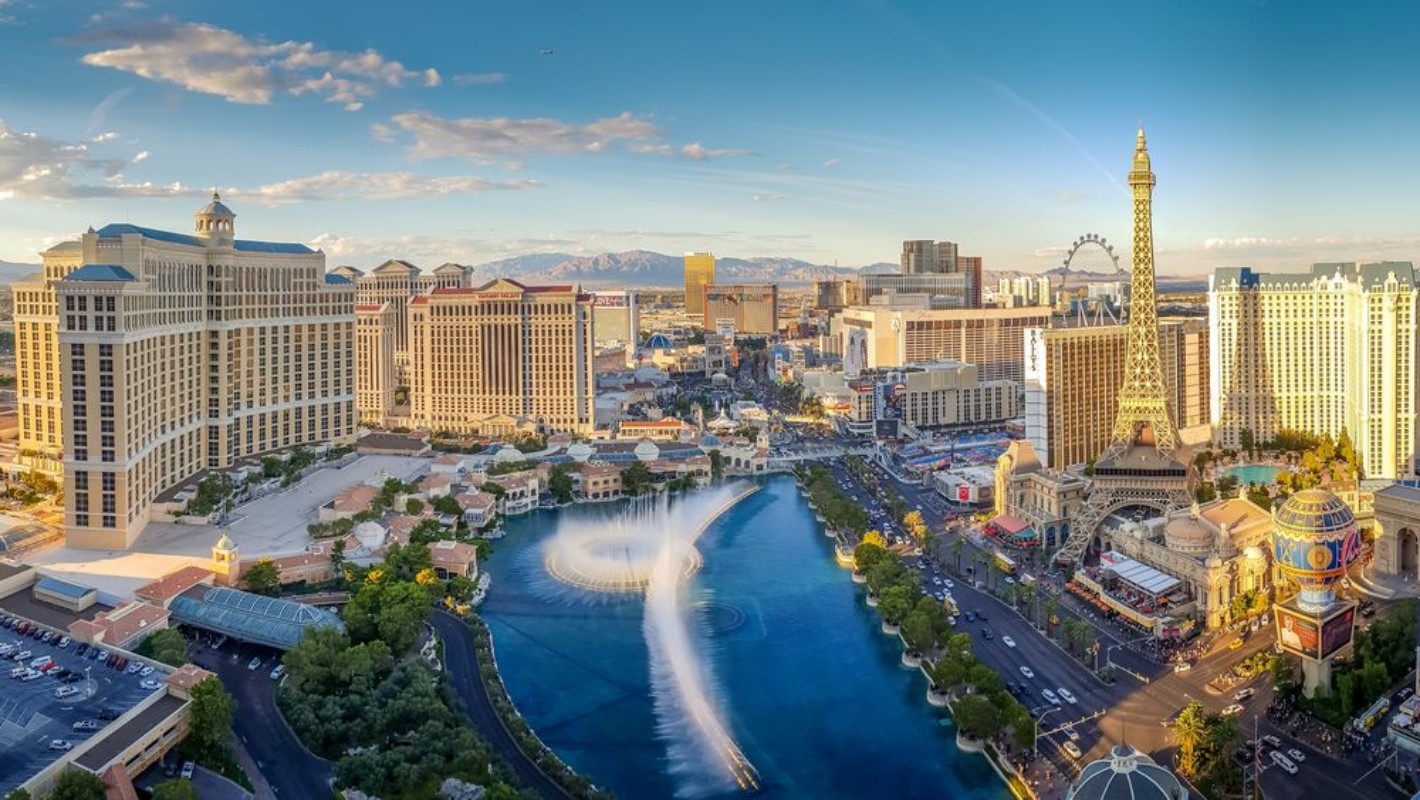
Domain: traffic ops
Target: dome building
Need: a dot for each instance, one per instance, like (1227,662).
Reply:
(1126,774)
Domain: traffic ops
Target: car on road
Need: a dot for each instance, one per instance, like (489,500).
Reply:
(1050,697)
(1283,762)
(1071,749)
(1243,694)
(1009,580)
(1237,644)
(1182,666)
(1026,671)
(1232,710)
(187,768)
(1296,755)
(60,744)
(1073,734)
(278,672)
(1065,693)
(948,583)
(987,634)
(254,664)
(1008,641)
(1272,740)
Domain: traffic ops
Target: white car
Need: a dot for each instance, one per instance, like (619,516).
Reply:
(1008,641)
(1182,666)
(60,744)
(254,664)
(1296,755)
(1071,749)
(1283,762)
(150,683)
(1272,740)
(1050,697)
(65,691)
(1010,580)
(947,582)
(1232,710)
(146,671)
(1243,694)
(1069,698)
(1026,671)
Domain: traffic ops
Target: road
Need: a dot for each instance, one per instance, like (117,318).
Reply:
(462,664)
(291,770)
(1132,709)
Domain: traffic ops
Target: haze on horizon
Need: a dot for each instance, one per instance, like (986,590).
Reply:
(1278,132)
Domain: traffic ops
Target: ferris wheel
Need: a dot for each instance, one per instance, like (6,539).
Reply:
(1092,253)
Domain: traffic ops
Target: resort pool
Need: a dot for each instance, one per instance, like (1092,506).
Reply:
(1254,473)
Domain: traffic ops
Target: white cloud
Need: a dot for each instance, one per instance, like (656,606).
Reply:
(337,185)
(142,156)
(210,60)
(830,164)
(382,132)
(106,136)
(108,104)
(487,141)
(768,197)
(35,166)
(479,79)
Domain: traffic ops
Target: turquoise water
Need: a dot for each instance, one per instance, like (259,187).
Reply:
(1254,473)
(813,693)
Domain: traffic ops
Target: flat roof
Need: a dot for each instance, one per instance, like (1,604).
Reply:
(63,588)
(8,570)
(250,617)
(23,604)
(1141,575)
(110,746)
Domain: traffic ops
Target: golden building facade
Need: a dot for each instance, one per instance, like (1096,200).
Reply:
(991,338)
(699,273)
(375,337)
(398,282)
(501,356)
(754,308)
(38,388)
(181,353)
(1072,380)
(1320,352)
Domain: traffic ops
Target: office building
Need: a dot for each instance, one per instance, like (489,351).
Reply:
(943,394)
(374,361)
(1319,352)
(502,357)
(397,281)
(1073,376)
(753,307)
(182,353)
(991,338)
(940,290)
(837,294)
(699,273)
(38,388)
(933,268)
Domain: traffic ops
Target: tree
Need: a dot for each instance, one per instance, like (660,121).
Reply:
(1227,486)
(868,555)
(875,538)
(1259,496)
(956,547)
(211,721)
(917,632)
(976,716)
(1206,492)
(1050,606)
(559,482)
(167,646)
(18,794)
(77,784)
(636,478)
(1247,439)
(263,578)
(916,527)
(406,561)
(447,505)
(388,610)
(1188,733)
(337,558)
(175,789)
(717,465)
(414,507)
(894,603)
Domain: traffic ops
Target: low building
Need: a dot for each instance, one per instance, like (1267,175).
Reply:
(435,484)
(598,481)
(966,485)
(1397,517)
(125,626)
(1044,499)
(938,394)
(348,502)
(454,559)
(669,429)
(479,508)
(66,595)
(248,617)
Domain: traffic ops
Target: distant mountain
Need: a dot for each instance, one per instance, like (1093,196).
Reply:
(11,272)
(646,268)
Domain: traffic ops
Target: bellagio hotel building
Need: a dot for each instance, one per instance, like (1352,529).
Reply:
(177,353)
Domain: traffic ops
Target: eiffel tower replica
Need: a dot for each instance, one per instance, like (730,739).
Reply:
(1144,463)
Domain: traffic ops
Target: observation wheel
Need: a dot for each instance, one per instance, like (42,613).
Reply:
(1092,253)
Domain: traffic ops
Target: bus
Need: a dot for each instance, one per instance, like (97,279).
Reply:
(1373,715)
(1005,563)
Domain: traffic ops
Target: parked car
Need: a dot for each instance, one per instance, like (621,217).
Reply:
(65,691)
(1284,762)
(150,683)
(86,725)
(60,744)
(278,672)
(187,768)
(1182,666)
(1272,740)
(254,664)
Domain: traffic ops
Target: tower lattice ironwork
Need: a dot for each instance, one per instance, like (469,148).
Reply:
(1139,467)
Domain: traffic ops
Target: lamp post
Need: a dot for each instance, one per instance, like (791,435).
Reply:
(1035,736)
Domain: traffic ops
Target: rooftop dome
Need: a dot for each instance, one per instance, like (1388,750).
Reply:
(216,208)
(1186,533)
(225,543)
(659,341)
(1126,774)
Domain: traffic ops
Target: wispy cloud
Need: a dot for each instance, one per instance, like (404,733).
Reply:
(337,185)
(768,197)
(99,115)
(506,141)
(210,60)
(38,167)
(830,164)
(479,78)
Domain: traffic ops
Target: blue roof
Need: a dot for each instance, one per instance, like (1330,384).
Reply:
(331,277)
(120,228)
(100,272)
(63,588)
(251,617)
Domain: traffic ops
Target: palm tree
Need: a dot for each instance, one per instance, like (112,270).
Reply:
(1223,737)
(1188,733)
(1051,606)
(1027,594)
(956,553)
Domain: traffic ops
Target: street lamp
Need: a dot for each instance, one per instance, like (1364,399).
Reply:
(1035,736)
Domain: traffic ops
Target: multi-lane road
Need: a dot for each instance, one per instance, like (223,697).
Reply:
(1135,707)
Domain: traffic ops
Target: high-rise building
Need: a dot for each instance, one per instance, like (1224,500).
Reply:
(374,361)
(1072,381)
(1319,352)
(935,269)
(923,256)
(398,281)
(699,273)
(182,353)
(616,316)
(836,294)
(38,388)
(502,357)
(991,338)
(753,307)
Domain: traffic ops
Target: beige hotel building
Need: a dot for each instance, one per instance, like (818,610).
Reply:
(181,353)
(502,357)
(1318,352)
(991,338)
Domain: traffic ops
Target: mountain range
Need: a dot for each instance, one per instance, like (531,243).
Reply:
(11,271)
(647,268)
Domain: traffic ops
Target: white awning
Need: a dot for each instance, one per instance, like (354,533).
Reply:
(1143,576)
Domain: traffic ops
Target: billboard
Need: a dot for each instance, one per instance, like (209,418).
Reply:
(609,299)
(725,326)
(855,352)
(1298,634)
(889,401)
(1336,631)
(885,429)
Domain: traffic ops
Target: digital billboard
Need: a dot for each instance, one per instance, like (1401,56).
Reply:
(886,429)
(855,352)
(1297,634)
(889,401)
(1336,631)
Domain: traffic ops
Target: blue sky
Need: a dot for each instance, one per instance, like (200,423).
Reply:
(828,131)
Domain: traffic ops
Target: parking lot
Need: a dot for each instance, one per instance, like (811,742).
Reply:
(33,721)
